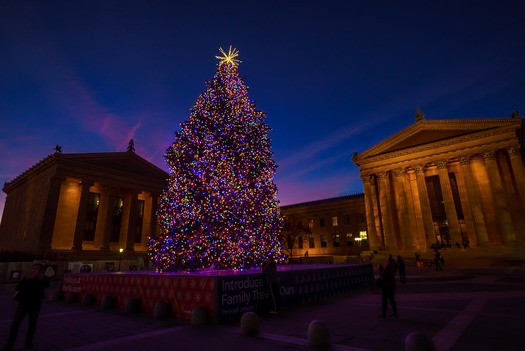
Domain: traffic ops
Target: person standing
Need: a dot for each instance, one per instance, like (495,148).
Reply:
(272,279)
(388,288)
(401,269)
(438,261)
(29,293)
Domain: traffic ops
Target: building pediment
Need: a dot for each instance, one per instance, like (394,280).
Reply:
(104,165)
(425,132)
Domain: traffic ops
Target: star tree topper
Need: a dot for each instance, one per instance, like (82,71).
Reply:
(229,57)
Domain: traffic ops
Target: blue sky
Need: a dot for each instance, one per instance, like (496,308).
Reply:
(332,76)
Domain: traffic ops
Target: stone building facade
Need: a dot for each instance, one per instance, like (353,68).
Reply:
(83,206)
(447,181)
(336,227)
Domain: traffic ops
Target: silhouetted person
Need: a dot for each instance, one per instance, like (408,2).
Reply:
(438,261)
(389,288)
(270,273)
(30,293)
(401,268)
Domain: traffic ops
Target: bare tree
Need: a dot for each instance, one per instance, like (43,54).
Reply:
(292,229)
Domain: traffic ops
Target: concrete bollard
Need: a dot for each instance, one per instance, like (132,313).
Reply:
(199,316)
(250,324)
(58,295)
(318,335)
(162,309)
(88,299)
(417,341)
(132,306)
(108,302)
(72,297)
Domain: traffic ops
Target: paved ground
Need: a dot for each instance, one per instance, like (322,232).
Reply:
(476,303)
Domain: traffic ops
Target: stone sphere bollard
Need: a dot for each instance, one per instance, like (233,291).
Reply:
(72,297)
(108,302)
(162,309)
(318,335)
(417,341)
(58,295)
(199,316)
(88,299)
(132,306)
(250,324)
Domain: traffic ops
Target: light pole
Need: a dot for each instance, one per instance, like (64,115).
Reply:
(120,257)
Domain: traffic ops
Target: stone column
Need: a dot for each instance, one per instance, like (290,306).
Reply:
(48,226)
(81,216)
(153,215)
(424,202)
(518,169)
(373,240)
(108,222)
(386,215)
(402,212)
(475,202)
(466,207)
(500,198)
(377,211)
(132,221)
(450,206)
(417,226)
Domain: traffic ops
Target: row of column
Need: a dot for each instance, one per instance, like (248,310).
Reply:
(102,236)
(399,212)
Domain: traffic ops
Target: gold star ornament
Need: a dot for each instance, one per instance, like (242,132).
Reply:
(229,57)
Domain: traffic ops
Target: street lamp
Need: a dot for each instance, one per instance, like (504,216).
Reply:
(120,257)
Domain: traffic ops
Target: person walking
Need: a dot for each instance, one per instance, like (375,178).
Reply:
(272,279)
(29,293)
(388,288)
(401,268)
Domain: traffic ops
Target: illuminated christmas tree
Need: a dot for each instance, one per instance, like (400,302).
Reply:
(220,208)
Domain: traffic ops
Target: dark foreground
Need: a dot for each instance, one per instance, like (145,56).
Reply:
(471,305)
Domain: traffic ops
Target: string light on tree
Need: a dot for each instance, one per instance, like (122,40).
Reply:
(220,209)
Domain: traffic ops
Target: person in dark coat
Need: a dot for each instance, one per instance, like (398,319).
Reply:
(401,269)
(29,293)
(388,288)
(272,279)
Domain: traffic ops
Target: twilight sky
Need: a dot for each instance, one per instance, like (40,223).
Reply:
(333,76)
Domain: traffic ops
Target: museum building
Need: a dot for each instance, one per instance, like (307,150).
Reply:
(449,181)
(83,206)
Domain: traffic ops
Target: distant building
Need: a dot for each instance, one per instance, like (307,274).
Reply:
(82,206)
(333,228)
(446,181)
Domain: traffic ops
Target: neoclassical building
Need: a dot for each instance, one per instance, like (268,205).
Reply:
(82,206)
(452,181)
(336,227)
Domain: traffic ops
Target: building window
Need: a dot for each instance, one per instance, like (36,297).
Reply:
(116,222)
(300,241)
(91,217)
(347,219)
(349,241)
(335,238)
(311,241)
(334,221)
(311,223)
(361,218)
(321,222)
(323,240)
(140,218)
(290,242)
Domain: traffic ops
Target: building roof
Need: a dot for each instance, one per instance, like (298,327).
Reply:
(86,165)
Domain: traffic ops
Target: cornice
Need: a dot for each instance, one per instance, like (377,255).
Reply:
(453,124)
(484,134)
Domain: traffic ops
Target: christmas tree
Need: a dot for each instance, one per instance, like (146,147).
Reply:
(220,208)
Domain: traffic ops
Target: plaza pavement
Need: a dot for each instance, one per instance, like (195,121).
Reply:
(477,303)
